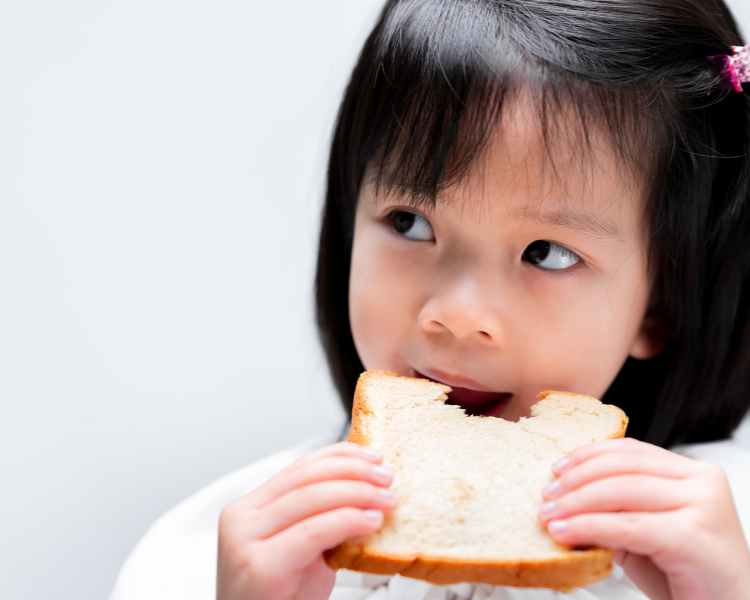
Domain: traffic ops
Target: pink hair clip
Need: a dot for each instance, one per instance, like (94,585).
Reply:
(736,66)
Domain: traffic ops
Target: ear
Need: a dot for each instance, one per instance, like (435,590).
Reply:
(651,338)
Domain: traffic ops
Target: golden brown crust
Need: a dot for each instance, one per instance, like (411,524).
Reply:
(579,568)
(575,568)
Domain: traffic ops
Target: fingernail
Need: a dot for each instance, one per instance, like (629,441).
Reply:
(557,527)
(374,516)
(548,509)
(383,473)
(561,464)
(371,454)
(387,496)
(551,490)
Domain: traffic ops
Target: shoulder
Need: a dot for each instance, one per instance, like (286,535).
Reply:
(176,558)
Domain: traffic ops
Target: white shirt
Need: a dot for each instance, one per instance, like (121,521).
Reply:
(176,559)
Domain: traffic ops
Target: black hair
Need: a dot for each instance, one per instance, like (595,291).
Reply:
(431,82)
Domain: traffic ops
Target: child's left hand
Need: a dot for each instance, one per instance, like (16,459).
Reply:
(671,520)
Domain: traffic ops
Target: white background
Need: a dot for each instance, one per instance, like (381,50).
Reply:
(162,168)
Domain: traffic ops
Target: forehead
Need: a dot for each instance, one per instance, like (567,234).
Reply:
(556,170)
(558,161)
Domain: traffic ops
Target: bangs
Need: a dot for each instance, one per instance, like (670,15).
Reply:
(444,75)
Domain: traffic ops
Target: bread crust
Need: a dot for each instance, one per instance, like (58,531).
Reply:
(574,569)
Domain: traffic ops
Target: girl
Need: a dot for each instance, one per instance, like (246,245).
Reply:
(525,194)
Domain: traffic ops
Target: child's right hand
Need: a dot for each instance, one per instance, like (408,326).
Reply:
(271,541)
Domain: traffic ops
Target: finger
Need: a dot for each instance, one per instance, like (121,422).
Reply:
(610,464)
(303,543)
(319,579)
(341,449)
(308,501)
(621,493)
(645,574)
(344,466)
(635,532)
(620,445)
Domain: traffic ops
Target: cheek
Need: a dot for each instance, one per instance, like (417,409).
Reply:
(379,299)
(587,335)
(366,314)
(585,365)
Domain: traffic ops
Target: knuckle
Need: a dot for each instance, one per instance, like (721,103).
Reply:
(310,535)
(597,468)
(708,470)
(335,493)
(242,554)
(606,463)
(714,481)
(313,533)
(716,473)
(317,492)
(631,527)
(249,557)
(565,483)
(261,566)
(682,528)
(570,504)
(694,522)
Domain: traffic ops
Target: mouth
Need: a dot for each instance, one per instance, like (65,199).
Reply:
(474,402)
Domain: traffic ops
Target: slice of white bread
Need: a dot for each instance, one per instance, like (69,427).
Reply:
(469,488)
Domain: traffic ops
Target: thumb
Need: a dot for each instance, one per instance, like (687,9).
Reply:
(645,574)
(318,579)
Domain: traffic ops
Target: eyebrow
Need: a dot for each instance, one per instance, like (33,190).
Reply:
(580,221)
(570,219)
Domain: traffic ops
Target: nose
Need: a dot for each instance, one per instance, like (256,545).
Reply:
(466,310)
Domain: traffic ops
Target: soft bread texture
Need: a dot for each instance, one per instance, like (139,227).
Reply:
(469,488)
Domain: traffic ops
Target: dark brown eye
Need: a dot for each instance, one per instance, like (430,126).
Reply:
(537,251)
(410,224)
(550,256)
(402,221)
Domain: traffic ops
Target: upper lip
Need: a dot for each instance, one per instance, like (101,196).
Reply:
(452,380)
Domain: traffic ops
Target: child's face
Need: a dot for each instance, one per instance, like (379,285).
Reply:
(485,286)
